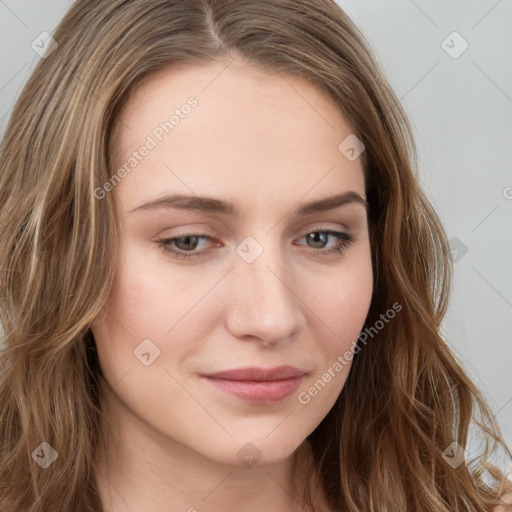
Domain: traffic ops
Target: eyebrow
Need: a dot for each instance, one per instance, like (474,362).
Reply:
(218,206)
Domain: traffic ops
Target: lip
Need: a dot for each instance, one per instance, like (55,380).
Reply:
(258,385)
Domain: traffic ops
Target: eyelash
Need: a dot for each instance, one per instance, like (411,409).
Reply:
(345,240)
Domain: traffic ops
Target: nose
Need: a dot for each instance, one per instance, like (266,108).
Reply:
(264,306)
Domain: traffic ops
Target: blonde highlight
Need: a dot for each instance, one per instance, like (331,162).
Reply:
(60,247)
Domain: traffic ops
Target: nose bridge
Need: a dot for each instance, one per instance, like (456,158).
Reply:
(263,302)
(261,266)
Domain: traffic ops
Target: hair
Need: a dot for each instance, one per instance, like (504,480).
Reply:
(406,398)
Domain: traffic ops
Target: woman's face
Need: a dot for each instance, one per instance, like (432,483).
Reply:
(262,287)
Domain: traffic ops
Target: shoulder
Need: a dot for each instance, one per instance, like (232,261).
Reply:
(506,499)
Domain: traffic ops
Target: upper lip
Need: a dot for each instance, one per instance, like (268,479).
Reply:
(252,373)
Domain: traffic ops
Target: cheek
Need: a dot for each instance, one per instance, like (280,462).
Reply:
(154,300)
(341,299)
(150,295)
(340,308)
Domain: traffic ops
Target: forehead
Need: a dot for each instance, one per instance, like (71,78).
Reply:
(249,131)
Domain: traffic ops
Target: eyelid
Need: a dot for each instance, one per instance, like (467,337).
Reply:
(344,240)
(319,226)
(205,232)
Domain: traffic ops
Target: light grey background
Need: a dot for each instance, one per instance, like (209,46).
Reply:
(460,109)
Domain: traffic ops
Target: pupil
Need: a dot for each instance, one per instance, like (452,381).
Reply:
(315,236)
(187,242)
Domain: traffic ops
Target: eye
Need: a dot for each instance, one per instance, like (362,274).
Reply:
(184,247)
(185,244)
(321,236)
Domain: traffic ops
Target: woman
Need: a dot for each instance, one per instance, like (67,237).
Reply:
(290,358)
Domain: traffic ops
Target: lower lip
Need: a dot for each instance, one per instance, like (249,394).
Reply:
(258,392)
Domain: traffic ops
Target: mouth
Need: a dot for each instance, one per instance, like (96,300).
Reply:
(258,385)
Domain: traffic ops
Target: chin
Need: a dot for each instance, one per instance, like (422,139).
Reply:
(261,450)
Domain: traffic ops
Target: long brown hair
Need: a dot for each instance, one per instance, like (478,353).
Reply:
(406,400)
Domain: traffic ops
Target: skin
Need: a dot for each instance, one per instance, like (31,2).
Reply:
(267,143)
